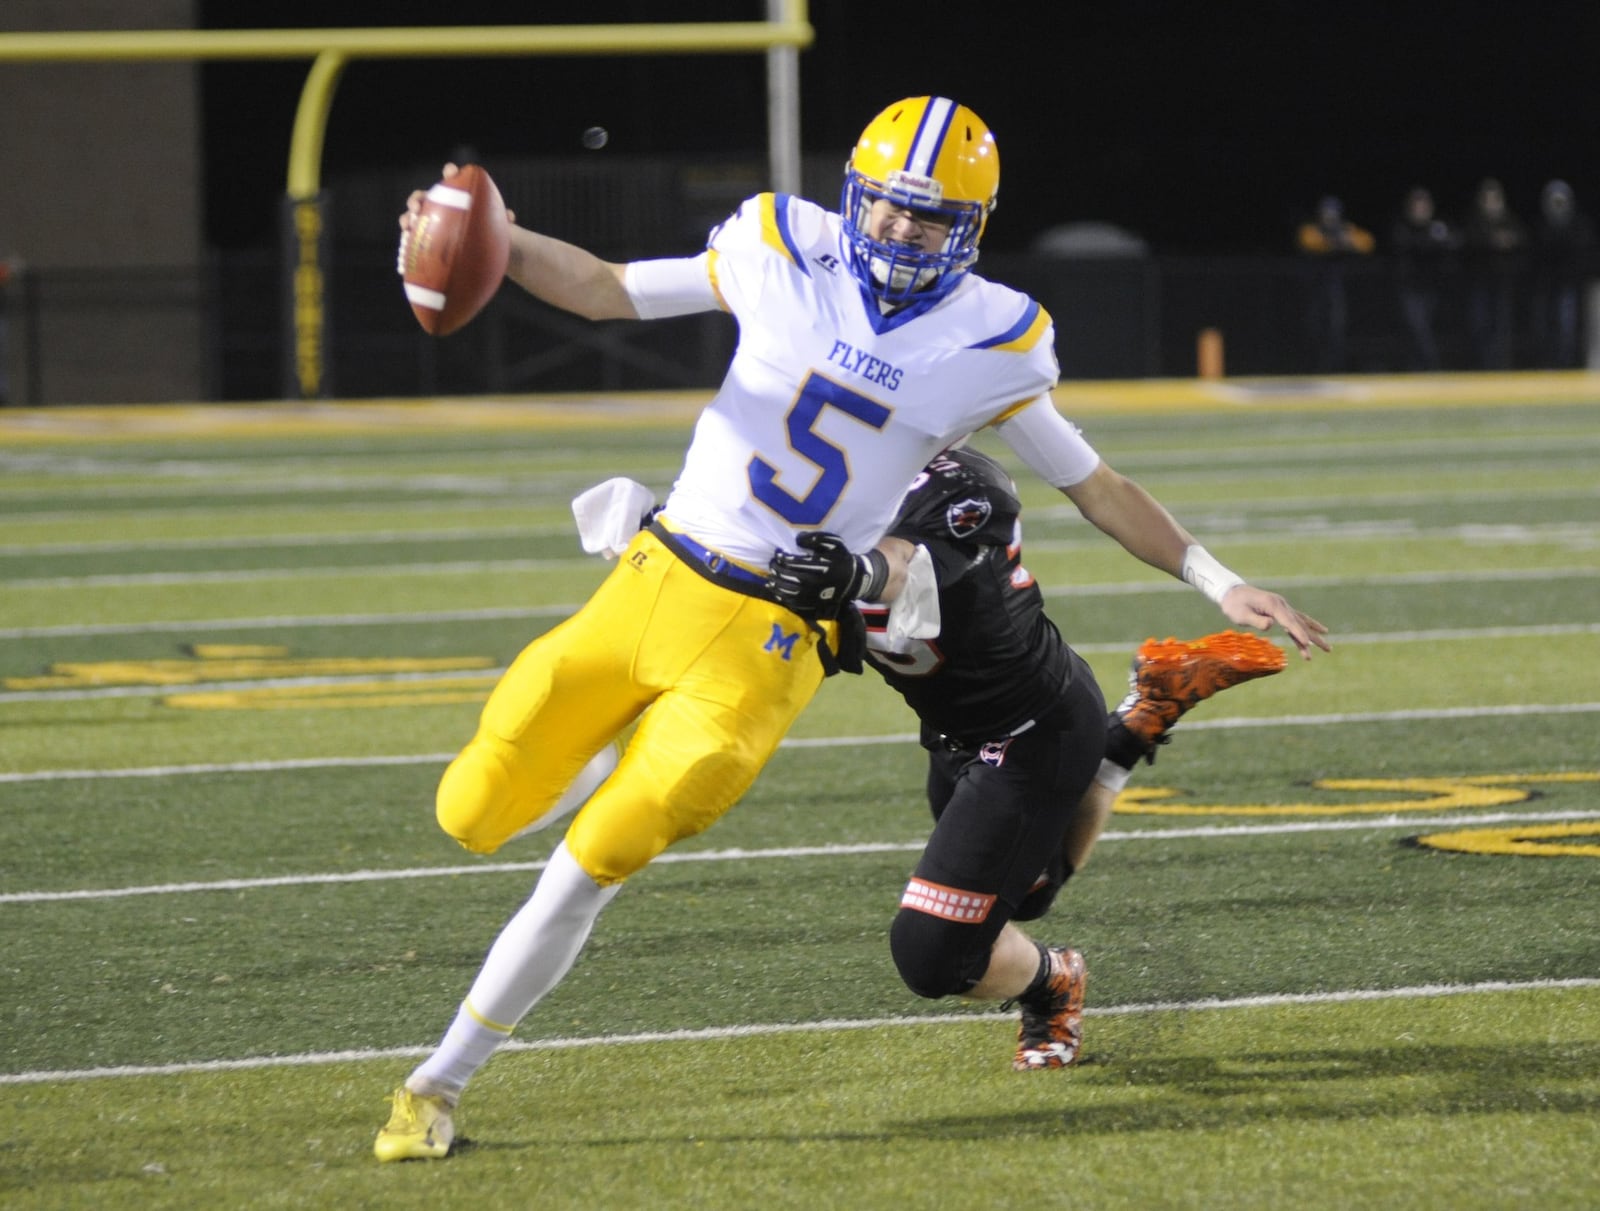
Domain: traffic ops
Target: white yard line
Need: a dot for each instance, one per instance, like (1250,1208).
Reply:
(1576,536)
(288,622)
(561,610)
(1194,725)
(757,1030)
(473,567)
(671,857)
(1229,521)
(342,538)
(229,767)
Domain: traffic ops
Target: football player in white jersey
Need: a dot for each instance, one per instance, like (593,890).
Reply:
(866,345)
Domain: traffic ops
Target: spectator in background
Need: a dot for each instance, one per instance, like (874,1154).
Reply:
(1562,244)
(1494,241)
(1422,243)
(1330,240)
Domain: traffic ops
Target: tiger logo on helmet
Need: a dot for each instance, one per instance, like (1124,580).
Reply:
(931,156)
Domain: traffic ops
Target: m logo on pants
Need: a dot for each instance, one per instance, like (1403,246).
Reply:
(781,641)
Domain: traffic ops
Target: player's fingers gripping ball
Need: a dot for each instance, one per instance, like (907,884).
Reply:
(454,253)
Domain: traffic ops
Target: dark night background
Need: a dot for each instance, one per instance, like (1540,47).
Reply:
(1204,127)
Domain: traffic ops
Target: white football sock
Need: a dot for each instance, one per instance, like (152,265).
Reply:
(465,1048)
(533,952)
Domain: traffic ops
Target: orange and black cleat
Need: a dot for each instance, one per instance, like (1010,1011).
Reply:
(1052,1027)
(1171,675)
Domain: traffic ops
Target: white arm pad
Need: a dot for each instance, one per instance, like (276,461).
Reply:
(670,286)
(914,614)
(1201,569)
(1049,443)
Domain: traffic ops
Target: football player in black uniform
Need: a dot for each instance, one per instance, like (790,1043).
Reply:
(1024,763)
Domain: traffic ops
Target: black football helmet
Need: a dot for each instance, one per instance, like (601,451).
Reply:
(961,495)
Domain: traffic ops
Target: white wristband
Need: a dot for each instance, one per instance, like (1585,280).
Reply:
(1201,569)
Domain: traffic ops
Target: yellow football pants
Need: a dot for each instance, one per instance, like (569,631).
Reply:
(718,676)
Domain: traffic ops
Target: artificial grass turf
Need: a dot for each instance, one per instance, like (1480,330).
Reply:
(234,973)
(1399,525)
(1485,1099)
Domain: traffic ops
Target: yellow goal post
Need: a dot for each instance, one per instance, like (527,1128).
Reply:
(781,36)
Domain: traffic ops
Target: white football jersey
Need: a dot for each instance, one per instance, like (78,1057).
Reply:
(829,408)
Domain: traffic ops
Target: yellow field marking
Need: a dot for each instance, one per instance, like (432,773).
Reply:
(445,691)
(1533,840)
(236,651)
(1424,795)
(1345,392)
(1570,776)
(164,422)
(242,668)
(152,422)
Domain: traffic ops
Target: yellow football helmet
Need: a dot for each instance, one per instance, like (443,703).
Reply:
(926,154)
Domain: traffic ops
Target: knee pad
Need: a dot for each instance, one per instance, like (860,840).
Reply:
(489,794)
(653,803)
(612,845)
(938,958)
(475,795)
(608,859)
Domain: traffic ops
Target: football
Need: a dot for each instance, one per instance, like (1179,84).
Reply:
(454,257)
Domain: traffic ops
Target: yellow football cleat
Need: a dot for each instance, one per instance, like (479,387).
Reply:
(420,1128)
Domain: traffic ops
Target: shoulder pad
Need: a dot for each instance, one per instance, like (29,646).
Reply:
(777,223)
(961,495)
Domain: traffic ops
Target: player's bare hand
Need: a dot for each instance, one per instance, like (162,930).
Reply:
(1252,607)
(417,197)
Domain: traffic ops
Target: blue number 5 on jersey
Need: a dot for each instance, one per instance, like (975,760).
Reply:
(816,393)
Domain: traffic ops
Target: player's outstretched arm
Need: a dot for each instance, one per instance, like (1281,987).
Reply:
(1122,509)
(568,277)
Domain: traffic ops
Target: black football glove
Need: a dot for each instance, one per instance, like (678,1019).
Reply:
(826,576)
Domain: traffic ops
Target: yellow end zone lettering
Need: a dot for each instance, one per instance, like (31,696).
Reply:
(1527,840)
(1422,794)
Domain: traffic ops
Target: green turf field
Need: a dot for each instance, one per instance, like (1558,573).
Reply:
(1343,937)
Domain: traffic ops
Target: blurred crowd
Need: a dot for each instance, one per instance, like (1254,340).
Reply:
(1509,276)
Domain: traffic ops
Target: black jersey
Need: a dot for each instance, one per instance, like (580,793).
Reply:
(998,661)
